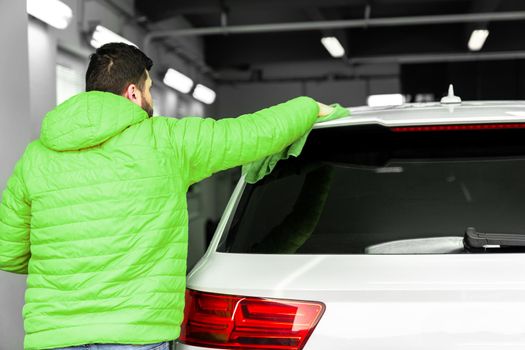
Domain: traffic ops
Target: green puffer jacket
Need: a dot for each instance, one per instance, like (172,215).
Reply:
(95,213)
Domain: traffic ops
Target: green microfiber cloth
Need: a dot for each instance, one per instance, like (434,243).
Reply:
(255,171)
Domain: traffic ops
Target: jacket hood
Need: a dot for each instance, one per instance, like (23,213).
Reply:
(88,119)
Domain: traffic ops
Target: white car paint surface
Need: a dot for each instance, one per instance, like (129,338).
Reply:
(453,302)
(434,114)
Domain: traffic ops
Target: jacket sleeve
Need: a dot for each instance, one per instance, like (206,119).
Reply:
(213,145)
(15,219)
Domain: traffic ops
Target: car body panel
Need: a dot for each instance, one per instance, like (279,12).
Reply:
(457,301)
(385,302)
(433,114)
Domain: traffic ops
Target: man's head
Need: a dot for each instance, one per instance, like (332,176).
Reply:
(123,70)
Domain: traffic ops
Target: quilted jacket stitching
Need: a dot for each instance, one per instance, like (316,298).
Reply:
(69,205)
(99,183)
(106,218)
(49,244)
(141,248)
(125,268)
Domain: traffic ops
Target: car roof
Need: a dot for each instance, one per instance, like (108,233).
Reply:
(433,113)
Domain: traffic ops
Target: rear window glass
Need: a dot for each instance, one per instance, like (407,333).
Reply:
(368,190)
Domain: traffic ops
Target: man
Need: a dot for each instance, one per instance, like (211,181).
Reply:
(95,212)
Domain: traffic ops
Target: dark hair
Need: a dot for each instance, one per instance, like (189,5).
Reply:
(116,65)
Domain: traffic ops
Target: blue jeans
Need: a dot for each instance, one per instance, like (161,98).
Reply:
(156,346)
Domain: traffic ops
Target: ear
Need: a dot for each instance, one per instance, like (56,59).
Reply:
(133,94)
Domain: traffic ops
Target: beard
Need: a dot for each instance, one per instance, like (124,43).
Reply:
(147,107)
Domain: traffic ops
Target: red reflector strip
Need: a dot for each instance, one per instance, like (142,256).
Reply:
(458,127)
(235,322)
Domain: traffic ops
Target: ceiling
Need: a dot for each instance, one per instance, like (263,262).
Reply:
(241,51)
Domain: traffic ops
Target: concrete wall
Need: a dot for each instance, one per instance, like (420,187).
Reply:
(14,136)
(327,81)
(42,72)
(239,98)
(236,99)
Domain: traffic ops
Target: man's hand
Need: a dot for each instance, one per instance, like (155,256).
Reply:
(324,110)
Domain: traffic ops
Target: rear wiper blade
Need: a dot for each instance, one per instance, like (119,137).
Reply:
(476,241)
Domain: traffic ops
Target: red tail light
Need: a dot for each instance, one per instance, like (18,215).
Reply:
(459,127)
(234,322)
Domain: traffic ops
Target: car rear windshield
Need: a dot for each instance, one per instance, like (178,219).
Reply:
(370,190)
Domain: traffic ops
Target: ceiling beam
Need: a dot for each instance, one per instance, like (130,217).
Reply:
(354,23)
(440,57)
(191,7)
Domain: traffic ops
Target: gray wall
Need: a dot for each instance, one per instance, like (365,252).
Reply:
(42,72)
(14,135)
(238,98)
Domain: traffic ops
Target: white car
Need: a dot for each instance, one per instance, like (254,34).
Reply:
(397,228)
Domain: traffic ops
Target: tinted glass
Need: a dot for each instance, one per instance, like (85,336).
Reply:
(354,188)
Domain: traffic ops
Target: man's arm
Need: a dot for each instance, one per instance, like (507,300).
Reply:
(214,145)
(15,219)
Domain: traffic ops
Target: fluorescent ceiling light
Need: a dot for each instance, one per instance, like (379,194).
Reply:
(53,12)
(477,39)
(333,46)
(178,81)
(204,94)
(385,100)
(102,35)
